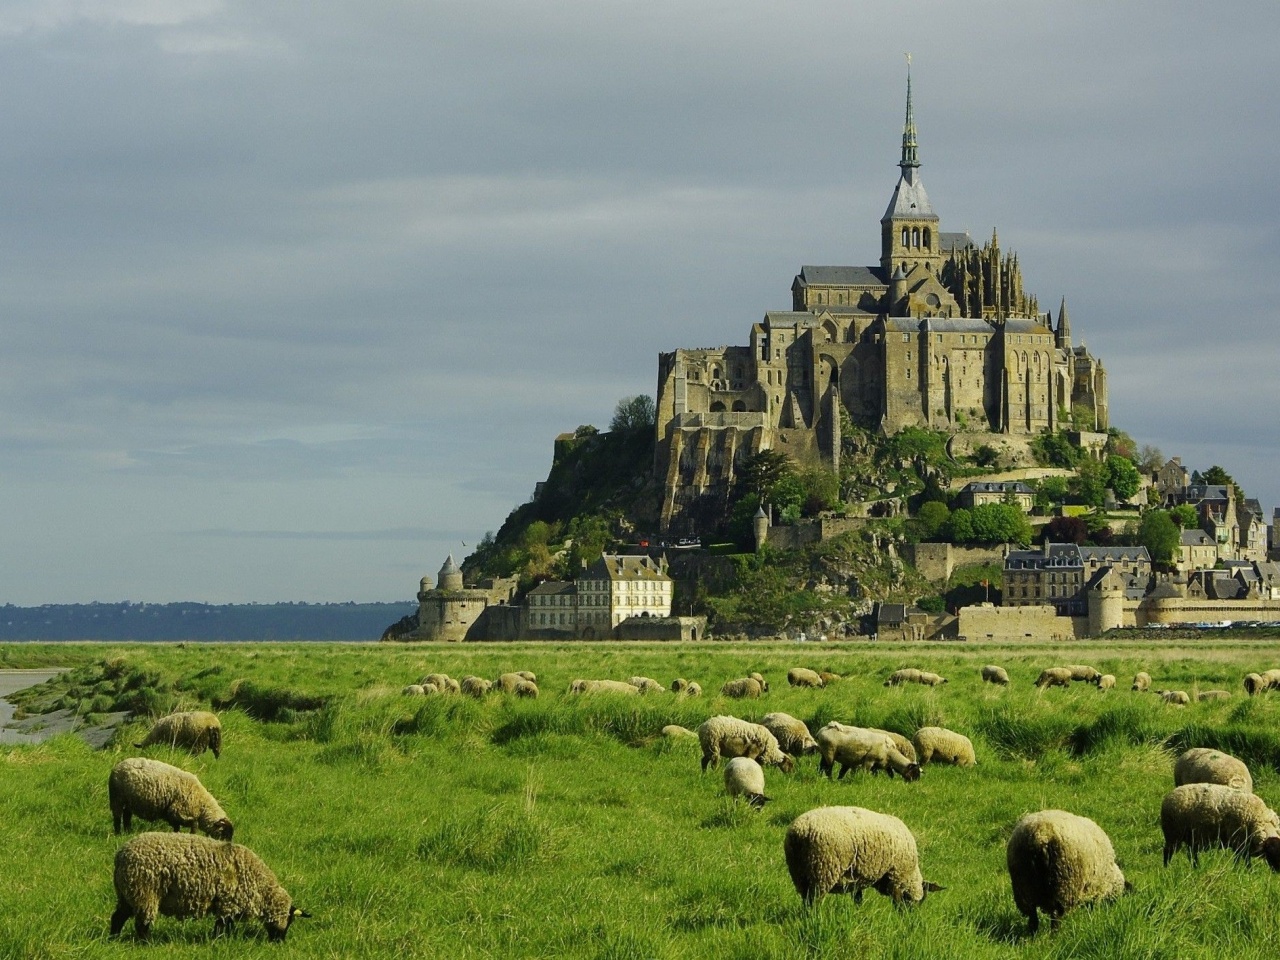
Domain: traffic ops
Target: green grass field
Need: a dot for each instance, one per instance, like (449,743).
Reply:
(566,827)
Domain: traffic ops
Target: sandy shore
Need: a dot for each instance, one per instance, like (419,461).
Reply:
(44,726)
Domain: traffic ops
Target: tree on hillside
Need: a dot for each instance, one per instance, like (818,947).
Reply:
(1150,459)
(1066,530)
(989,523)
(1122,477)
(634,415)
(1050,490)
(1089,485)
(1160,535)
(931,519)
(1185,515)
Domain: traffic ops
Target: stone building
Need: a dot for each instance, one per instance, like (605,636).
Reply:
(451,611)
(939,334)
(980,492)
(1060,575)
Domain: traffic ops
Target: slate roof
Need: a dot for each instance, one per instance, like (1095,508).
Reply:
(842,276)
(958,241)
(1196,538)
(1115,554)
(910,201)
(891,613)
(996,486)
(552,588)
(624,567)
(938,325)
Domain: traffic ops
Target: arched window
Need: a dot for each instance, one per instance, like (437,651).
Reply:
(717,407)
(926,238)
(915,236)
(739,407)
(906,237)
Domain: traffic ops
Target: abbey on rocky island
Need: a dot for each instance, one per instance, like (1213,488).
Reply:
(939,335)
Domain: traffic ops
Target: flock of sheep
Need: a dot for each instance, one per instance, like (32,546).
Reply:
(1056,860)
(178,874)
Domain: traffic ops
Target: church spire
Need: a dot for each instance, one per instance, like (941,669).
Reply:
(1064,326)
(910,152)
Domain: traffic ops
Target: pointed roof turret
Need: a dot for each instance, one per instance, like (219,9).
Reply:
(910,149)
(909,199)
(1064,326)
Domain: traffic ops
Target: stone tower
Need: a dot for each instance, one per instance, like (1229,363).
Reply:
(760,525)
(1106,604)
(450,576)
(909,228)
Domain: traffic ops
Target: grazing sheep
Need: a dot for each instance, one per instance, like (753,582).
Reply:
(723,736)
(673,731)
(764,684)
(475,687)
(194,730)
(1206,765)
(1213,695)
(744,688)
(1085,674)
(604,686)
(526,689)
(859,747)
(904,745)
(527,675)
(1058,861)
(415,690)
(993,674)
(939,745)
(745,778)
(442,682)
(694,689)
(792,735)
(507,682)
(1255,683)
(828,677)
(679,685)
(1107,682)
(184,876)
(905,675)
(846,849)
(645,685)
(804,677)
(931,679)
(1141,682)
(153,790)
(1200,815)
(1054,677)
(1178,698)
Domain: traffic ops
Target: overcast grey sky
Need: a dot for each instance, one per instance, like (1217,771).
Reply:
(294,297)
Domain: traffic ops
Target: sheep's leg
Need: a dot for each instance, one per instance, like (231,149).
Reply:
(1169,849)
(119,918)
(1033,921)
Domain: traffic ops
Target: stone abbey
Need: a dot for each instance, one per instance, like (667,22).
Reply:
(940,334)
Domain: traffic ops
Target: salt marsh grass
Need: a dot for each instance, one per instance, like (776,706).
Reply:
(568,827)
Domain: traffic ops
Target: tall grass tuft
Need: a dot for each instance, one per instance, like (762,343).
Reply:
(500,838)
(268,704)
(1132,723)
(1024,736)
(629,720)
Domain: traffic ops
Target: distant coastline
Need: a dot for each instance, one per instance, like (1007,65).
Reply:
(199,622)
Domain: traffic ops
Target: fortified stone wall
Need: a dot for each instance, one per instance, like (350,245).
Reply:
(1019,624)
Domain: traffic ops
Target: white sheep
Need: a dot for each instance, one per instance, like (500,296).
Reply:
(744,688)
(527,675)
(442,682)
(1085,674)
(931,679)
(997,675)
(940,745)
(1058,861)
(758,678)
(694,689)
(415,690)
(506,683)
(673,731)
(1107,682)
(526,688)
(194,730)
(745,778)
(865,749)
(1054,677)
(180,875)
(804,677)
(1178,698)
(792,735)
(604,686)
(828,677)
(679,685)
(647,685)
(846,849)
(1141,682)
(1206,765)
(1213,695)
(153,790)
(1255,683)
(905,675)
(724,736)
(904,745)
(475,686)
(1200,815)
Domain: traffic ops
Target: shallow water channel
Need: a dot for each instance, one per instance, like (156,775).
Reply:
(12,681)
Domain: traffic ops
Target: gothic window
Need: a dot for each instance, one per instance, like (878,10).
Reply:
(906,237)
(915,237)
(926,238)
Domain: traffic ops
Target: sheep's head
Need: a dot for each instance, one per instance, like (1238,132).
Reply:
(911,773)
(278,913)
(1271,852)
(221,829)
(786,764)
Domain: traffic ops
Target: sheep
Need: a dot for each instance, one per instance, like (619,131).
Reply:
(506,683)
(904,745)
(527,675)
(645,685)
(846,849)
(1213,695)
(526,689)
(764,684)
(745,778)
(1054,677)
(679,685)
(673,731)
(1178,698)
(604,686)
(743,688)
(442,682)
(475,687)
(804,677)
(1058,861)
(906,675)
(1206,765)
(731,737)
(180,875)
(939,745)
(1255,683)
(859,747)
(1107,682)
(931,679)
(415,690)
(792,735)
(997,675)
(1085,674)
(828,677)
(1199,815)
(194,730)
(1141,682)
(153,790)
(694,689)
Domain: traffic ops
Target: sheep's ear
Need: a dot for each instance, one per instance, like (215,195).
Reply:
(931,887)
(297,912)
